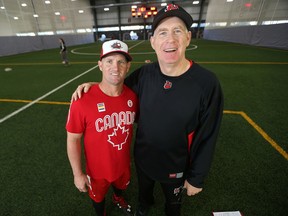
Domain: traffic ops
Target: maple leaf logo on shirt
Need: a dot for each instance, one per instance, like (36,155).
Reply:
(119,137)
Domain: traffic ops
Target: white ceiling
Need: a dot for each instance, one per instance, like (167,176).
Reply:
(20,16)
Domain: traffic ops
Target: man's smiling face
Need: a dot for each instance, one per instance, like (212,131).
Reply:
(170,40)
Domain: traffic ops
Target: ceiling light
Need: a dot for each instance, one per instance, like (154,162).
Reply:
(47,2)
(2,7)
(106,9)
(35,15)
(24,5)
(57,13)
(195,2)
(15,18)
(81,11)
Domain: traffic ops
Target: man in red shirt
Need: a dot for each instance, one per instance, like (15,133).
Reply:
(105,117)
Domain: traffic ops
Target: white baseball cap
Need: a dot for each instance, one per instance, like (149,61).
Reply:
(115,46)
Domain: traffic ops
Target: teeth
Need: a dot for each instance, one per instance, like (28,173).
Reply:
(170,50)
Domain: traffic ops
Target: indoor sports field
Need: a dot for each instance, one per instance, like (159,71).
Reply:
(250,168)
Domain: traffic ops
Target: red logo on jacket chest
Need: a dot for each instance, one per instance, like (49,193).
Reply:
(167,85)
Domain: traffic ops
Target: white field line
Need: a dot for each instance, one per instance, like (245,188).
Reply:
(44,96)
(51,92)
(74,51)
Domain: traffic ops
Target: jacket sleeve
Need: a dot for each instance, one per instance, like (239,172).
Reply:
(204,140)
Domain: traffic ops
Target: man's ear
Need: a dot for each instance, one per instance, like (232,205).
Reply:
(189,38)
(152,42)
(100,65)
(128,66)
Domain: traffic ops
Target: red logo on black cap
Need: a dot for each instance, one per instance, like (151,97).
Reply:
(171,7)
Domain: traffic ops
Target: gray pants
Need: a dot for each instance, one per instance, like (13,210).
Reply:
(64,57)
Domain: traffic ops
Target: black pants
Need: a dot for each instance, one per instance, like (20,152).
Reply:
(172,193)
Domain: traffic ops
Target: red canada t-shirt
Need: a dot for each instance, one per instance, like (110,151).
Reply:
(107,126)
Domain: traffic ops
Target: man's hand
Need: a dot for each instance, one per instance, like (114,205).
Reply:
(83,88)
(191,190)
(81,182)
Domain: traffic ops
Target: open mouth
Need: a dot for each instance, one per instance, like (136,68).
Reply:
(170,50)
(114,74)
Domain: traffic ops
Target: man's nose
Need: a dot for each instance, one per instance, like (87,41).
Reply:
(171,36)
(115,65)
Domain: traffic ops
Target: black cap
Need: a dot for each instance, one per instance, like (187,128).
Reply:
(172,10)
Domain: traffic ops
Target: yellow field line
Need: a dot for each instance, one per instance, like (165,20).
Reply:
(265,135)
(243,114)
(252,63)
(232,112)
(39,102)
(135,62)
(43,63)
(260,131)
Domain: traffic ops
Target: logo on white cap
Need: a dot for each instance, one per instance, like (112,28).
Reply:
(115,46)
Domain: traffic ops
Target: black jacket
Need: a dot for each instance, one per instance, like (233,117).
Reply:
(178,122)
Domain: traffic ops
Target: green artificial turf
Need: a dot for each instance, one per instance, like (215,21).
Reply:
(248,173)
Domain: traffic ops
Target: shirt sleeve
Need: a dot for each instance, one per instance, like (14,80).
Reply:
(75,119)
(204,141)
